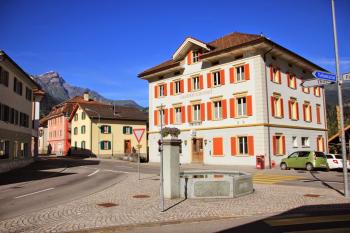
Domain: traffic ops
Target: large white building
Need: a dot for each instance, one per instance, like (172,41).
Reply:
(234,98)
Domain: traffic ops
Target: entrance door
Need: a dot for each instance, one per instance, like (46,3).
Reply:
(197,150)
(127,146)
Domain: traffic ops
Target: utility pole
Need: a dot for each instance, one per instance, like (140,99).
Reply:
(161,160)
(340,98)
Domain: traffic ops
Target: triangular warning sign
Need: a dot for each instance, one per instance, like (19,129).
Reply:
(138,134)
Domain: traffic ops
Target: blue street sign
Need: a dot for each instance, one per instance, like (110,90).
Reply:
(324,76)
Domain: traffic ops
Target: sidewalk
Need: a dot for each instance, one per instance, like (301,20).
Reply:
(86,213)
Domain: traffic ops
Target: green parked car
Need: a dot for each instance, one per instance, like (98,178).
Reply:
(305,159)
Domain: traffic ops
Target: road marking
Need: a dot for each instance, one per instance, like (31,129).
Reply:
(124,166)
(307,220)
(107,170)
(91,174)
(44,190)
(273,179)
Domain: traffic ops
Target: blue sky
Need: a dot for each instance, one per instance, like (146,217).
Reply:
(103,45)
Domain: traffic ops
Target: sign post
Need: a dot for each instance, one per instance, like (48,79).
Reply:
(138,133)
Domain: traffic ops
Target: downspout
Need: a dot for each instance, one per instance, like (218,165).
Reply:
(267,106)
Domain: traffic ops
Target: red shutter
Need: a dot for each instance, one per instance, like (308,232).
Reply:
(201,82)
(222,77)
(202,112)
(290,109)
(189,86)
(209,113)
(284,144)
(271,73)
(171,115)
(224,109)
(209,80)
(297,107)
(182,88)
(317,144)
(232,108)
(183,114)
(282,108)
(233,146)
(246,72)
(310,109)
(295,82)
(304,111)
(288,79)
(155,117)
(155,91)
(165,89)
(172,88)
(232,74)
(318,114)
(250,145)
(314,91)
(279,77)
(249,106)
(189,113)
(274,145)
(165,116)
(273,106)
(189,58)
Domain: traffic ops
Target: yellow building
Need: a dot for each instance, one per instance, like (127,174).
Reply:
(103,130)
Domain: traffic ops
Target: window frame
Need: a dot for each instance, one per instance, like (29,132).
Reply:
(196,113)
(245,145)
(243,108)
(178,115)
(196,84)
(303,144)
(240,76)
(216,76)
(217,110)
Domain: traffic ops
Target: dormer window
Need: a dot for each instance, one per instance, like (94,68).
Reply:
(195,56)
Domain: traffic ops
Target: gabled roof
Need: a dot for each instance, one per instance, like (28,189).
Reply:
(186,45)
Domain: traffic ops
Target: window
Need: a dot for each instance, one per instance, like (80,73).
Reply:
(293,109)
(292,81)
(318,114)
(305,142)
(195,56)
(177,87)
(295,141)
(277,106)
(217,110)
(76,117)
(241,106)
(161,115)
(23,120)
(83,115)
(317,91)
(320,144)
(5,113)
(240,73)
(275,75)
(196,112)
(178,115)
(196,84)
(17,86)
(279,145)
(106,129)
(162,90)
(306,90)
(82,145)
(75,130)
(4,149)
(307,112)
(60,132)
(127,130)
(216,79)
(28,94)
(105,145)
(83,129)
(242,145)
(4,77)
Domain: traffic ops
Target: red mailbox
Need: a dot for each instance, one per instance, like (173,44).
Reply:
(260,162)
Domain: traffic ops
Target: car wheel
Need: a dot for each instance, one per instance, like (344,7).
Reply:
(309,167)
(284,166)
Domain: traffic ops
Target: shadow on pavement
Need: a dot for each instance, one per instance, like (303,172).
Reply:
(38,170)
(326,184)
(318,218)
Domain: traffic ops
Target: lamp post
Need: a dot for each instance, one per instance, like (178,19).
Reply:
(161,161)
(98,135)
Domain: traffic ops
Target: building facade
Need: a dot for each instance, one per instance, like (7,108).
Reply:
(101,130)
(234,98)
(19,107)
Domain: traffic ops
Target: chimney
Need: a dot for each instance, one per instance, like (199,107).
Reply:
(86,96)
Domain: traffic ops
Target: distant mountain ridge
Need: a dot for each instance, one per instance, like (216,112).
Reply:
(58,90)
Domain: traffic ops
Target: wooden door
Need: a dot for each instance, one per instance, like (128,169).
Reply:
(127,146)
(197,150)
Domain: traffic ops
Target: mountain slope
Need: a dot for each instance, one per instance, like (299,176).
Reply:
(58,90)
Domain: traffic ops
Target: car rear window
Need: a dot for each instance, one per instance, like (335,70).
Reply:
(338,157)
(329,157)
(319,154)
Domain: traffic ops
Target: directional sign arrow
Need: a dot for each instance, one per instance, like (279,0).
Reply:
(324,76)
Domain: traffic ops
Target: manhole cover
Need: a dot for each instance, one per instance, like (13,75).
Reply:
(141,196)
(108,204)
(311,195)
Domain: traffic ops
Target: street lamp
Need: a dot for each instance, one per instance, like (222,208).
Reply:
(98,135)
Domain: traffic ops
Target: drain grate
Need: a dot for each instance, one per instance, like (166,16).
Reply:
(108,204)
(141,196)
(312,195)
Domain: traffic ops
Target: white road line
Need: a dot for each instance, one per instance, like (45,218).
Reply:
(124,166)
(94,172)
(107,170)
(44,190)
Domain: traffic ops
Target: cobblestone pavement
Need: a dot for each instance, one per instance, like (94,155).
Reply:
(85,213)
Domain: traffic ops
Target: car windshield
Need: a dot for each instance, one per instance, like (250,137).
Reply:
(329,157)
(338,157)
(319,154)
